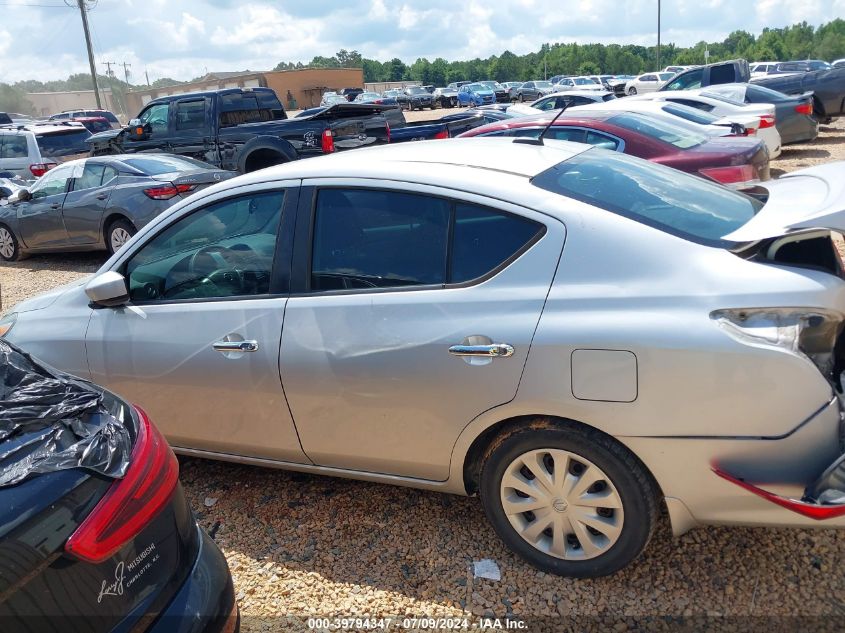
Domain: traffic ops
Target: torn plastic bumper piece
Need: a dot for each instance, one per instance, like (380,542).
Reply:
(828,503)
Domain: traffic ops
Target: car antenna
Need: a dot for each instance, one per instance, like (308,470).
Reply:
(539,139)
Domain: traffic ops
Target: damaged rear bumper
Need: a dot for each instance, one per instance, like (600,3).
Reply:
(749,481)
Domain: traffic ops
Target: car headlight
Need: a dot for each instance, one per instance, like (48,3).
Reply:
(7,322)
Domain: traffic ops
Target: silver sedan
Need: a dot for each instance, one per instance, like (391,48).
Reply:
(576,335)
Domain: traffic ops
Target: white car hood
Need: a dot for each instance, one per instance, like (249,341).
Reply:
(812,198)
(48,298)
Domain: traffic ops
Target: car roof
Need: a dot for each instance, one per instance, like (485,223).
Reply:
(208,93)
(486,154)
(578,93)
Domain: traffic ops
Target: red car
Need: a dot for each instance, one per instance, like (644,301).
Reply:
(737,161)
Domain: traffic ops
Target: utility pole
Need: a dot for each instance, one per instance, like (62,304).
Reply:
(108,65)
(658,36)
(126,71)
(147,75)
(83,12)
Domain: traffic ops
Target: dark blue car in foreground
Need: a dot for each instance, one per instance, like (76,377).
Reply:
(96,534)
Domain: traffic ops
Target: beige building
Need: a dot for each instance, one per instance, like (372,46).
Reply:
(47,103)
(297,89)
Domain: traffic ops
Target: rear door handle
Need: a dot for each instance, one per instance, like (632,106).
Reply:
(494,350)
(102,196)
(235,346)
(55,206)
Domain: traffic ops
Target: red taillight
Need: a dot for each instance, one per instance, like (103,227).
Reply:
(442,134)
(166,192)
(815,511)
(804,108)
(750,131)
(732,174)
(767,120)
(327,141)
(378,101)
(39,169)
(132,502)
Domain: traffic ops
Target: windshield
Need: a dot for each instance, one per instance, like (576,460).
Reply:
(658,196)
(163,164)
(583,81)
(690,114)
(675,135)
(665,76)
(731,96)
(543,84)
(417,91)
(64,143)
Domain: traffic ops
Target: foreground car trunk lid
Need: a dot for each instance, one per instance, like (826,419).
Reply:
(812,198)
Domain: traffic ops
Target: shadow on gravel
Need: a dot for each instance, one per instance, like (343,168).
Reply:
(790,153)
(61,261)
(318,546)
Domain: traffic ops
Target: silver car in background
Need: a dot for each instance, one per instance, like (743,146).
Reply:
(576,335)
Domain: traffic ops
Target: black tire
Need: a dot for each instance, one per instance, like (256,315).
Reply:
(632,91)
(522,98)
(408,106)
(634,485)
(10,250)
(115,232)
(432,106)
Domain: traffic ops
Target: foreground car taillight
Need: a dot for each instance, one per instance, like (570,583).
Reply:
(807,332)
(804,108)
(732,174)
(166,192)
(39,169)
(767,120)
(132,502)
(442,134)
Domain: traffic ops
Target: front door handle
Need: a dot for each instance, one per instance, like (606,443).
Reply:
(235,346)
(102,196)
(494,350)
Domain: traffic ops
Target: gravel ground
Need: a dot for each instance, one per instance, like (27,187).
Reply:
(315,546)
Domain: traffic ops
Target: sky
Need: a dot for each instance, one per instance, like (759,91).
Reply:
(182,39)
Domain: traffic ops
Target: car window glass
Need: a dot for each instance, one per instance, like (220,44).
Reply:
(698,105)
(109,174)
(92,176)
(722,74)
(659,196)
(53,182)
(547,104)
(13,146)
(156,116)
(63,143)
(190,115)
(484,239)
(680,137)
(377,239)
(223,250)
(687,80)
(600,140)
(565,134)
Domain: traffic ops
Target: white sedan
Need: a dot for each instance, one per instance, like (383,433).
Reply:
(579,83)
(682,115)
(649,82)
(559,100)
(721,106)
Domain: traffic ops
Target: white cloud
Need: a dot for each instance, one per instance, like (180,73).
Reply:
(5,42)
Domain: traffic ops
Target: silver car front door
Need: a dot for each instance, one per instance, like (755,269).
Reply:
(412,314)
(198,346)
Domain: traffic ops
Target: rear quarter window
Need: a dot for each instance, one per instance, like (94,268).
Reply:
(658,196)
(13,146)
(249,107)
(674,135)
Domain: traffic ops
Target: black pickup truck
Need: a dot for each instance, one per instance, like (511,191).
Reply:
(402,130)
(242,129)
(827,86)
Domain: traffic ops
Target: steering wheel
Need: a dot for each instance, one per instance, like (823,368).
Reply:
(221,273)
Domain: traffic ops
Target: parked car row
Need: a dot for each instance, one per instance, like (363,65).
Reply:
(305,287)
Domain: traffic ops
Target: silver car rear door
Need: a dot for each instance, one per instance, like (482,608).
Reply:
(373,372)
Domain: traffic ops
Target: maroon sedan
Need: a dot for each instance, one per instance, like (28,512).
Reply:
(737,161)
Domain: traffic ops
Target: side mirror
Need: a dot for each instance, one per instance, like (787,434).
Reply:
(138,131)
(21,195)
(108,289)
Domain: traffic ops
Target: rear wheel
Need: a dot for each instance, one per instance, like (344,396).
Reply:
(117,234)
(570,501)
(9,249)
(632,91)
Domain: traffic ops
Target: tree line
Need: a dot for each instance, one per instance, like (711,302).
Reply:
(799,41)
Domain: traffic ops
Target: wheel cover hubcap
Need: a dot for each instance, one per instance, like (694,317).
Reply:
(7,245)
(562,504)
(119,237)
